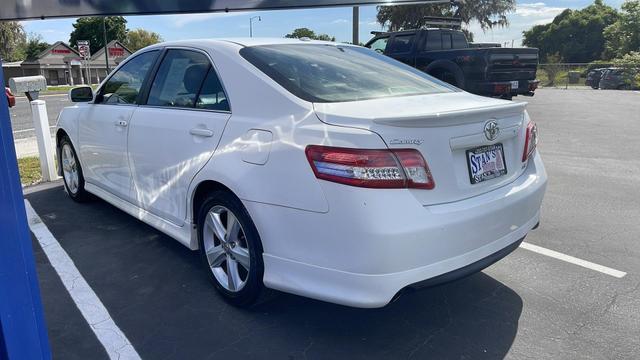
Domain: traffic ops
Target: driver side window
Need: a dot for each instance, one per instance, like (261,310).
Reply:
(124,86)
(379,45)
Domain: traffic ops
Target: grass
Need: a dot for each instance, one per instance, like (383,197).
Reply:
(64,88)
(29,168)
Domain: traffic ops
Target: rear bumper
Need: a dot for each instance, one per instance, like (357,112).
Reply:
(504,88)
(366,249)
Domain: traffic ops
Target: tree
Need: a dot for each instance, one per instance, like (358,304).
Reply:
(575,35)
(12,39)
(308,33)
(140,38)
(34,46)
(90,28)
(488,13)
(623,36)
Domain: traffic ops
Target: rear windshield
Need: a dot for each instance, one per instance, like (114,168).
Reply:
(334,73)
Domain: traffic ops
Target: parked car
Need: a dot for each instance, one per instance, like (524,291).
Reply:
(320,169)
(11,100)
(593,78)
(620,79)
(446,54)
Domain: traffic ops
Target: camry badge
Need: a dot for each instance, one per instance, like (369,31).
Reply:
(491,130)
(406,142)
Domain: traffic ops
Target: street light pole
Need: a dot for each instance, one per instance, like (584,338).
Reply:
(251,24)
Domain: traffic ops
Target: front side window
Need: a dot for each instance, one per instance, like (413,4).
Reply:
(401,44)
(379,45)
(179,79)
(125,84)
(335,73)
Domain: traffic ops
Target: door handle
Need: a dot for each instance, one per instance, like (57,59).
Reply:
(121,123)
(201,132)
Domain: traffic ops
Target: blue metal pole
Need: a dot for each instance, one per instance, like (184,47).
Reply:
(23,334)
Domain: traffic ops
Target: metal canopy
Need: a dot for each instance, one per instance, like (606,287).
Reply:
(43,9)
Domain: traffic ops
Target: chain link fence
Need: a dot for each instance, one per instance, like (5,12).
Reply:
(589,76)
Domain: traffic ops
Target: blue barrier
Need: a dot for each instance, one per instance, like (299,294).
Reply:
(23,334)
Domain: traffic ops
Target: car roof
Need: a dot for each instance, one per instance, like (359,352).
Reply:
(241,42)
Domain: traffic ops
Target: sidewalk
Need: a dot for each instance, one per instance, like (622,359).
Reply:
(28,147)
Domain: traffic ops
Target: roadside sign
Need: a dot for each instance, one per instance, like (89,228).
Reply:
(83,49)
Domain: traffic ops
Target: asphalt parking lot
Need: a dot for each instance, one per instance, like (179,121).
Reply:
(527,306)
(21,121)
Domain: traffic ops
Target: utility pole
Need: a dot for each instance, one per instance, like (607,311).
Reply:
(356,26)
(104,36)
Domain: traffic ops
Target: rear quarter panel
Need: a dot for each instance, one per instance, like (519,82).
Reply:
(287,125)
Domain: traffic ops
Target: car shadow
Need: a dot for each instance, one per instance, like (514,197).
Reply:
(158,293)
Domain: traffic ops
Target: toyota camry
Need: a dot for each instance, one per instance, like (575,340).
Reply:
(315,168)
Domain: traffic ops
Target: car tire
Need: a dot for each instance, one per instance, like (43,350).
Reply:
(71,170)
(226,250)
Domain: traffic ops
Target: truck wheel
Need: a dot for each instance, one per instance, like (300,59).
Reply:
(448,78)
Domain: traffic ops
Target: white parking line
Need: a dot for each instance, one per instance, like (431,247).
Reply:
(32,129)
(110,336)
(573,260)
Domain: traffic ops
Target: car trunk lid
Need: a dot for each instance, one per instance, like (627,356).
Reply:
(442,127)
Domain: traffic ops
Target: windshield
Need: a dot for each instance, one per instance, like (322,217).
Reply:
(334,73)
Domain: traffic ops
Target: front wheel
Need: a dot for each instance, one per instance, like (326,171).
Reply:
(230,248)
(72,172)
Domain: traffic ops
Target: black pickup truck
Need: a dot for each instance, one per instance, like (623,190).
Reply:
(446,55)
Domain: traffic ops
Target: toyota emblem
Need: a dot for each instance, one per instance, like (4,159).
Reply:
(491,130)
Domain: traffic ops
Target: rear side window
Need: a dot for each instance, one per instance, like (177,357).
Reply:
(125,84)
(379,45)
(212,96)
(459,41)
(434,42)
(179,79)
(446,41)
(401,44)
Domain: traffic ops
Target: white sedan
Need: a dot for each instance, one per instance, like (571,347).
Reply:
(320,169)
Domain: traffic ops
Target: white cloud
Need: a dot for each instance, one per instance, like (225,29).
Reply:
(340,21)
(526,16)
(538,9)
(180,21)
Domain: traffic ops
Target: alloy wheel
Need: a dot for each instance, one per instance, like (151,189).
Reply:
(70,169)
(226,248)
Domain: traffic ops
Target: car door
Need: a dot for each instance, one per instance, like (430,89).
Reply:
(103,127)
(401,48)
(176,131)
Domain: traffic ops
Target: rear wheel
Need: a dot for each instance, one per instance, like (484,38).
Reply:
(72,171)
(230,248)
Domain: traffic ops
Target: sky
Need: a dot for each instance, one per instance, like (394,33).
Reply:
(333,21)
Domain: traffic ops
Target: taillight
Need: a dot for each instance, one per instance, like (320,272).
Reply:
(398,168)
(530,141)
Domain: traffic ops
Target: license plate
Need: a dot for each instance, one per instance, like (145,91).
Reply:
(485,163)
(515,85)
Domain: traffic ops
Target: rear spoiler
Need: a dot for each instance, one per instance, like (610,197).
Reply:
(454,117)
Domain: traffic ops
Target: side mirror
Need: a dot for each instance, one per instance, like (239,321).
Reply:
(81,94)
